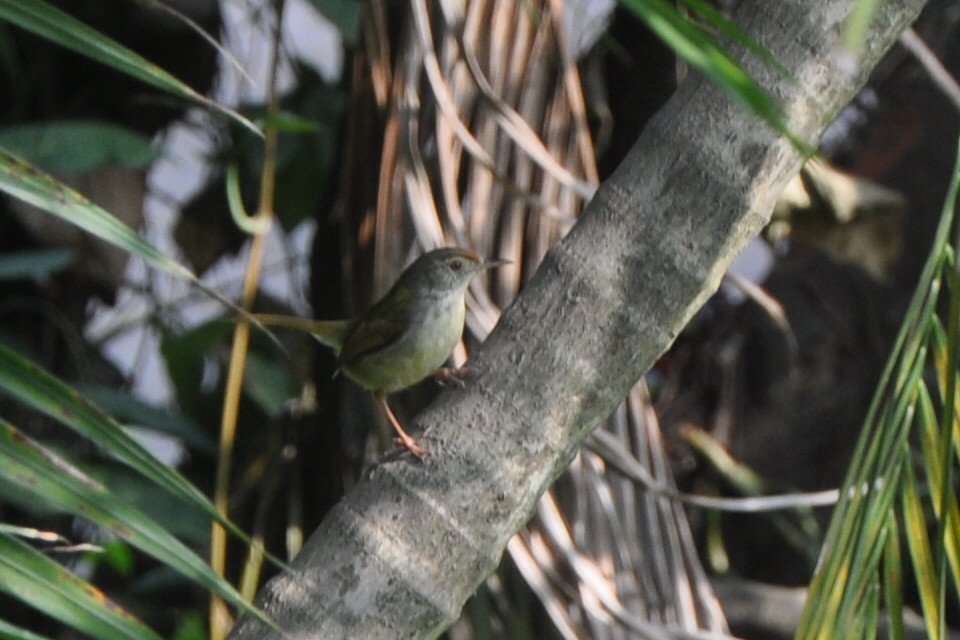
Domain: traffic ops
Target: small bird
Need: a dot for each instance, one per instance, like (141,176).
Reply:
(405,336)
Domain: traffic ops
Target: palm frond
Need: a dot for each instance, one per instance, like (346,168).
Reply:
(892,489)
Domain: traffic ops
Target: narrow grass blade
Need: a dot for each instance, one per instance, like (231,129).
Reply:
(924,567)
(724,25)
(55,482)
(38,389)
(943,498)
(701,50)
(24,181)
(55,25)
(882,470)
(893,581)
(41,583)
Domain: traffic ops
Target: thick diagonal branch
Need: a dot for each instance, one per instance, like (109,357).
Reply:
(402,552)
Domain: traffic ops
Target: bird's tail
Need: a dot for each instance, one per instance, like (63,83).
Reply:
(328,332)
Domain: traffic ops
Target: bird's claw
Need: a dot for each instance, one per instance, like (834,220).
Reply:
(452,375)
(412,446)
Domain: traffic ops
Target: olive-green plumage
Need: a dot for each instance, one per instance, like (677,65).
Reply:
(409,333)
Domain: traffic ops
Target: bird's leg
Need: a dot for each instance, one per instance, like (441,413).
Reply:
(451,375)
(403,438)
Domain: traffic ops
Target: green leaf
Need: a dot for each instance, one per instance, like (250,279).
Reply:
(882,473)
(719,21)
(893,580)
(189,525)
(51,23)
(921,553)
(35,387)
(24,181)
(119,556)
(78,146)
(702,51)
(53,480)
(42,584)
(45,393)
(34,265)
(941,494)
(192,627)
(288,122)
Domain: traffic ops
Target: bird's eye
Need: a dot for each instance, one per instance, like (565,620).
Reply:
(456,265)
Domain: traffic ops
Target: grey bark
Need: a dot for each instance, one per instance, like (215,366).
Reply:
(400,554)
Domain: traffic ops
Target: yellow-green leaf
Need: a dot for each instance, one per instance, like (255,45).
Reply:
(37,388)
(24,181)
(51,23)
(41,583)
(51,480)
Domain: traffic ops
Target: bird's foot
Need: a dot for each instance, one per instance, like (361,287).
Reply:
(411,445)
(452,375)
(403,438)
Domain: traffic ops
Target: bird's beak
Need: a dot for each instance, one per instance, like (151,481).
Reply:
(490,263)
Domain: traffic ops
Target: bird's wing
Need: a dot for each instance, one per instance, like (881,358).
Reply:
(380,326)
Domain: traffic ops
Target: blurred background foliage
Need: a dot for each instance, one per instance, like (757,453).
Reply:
(403,126)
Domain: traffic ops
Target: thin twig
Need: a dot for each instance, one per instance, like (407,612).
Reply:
(219,616)
(200,31)
(929,61)
(607,447)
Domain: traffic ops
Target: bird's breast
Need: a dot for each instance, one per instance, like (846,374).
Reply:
(434,329)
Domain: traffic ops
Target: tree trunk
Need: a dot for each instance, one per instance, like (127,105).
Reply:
(399,556)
